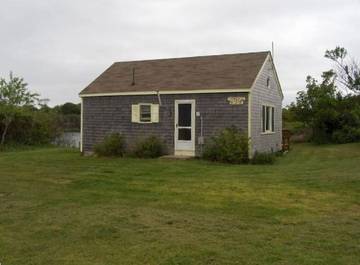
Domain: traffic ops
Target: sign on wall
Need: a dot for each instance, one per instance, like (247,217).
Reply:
(236,100)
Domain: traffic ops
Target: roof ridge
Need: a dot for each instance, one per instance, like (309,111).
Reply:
(192,57)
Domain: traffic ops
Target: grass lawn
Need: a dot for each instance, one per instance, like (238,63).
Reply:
(57,207)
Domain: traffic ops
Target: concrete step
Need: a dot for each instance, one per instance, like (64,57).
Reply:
(176,157)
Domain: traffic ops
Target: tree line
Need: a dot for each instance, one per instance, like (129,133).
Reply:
(330,108)
(25,120)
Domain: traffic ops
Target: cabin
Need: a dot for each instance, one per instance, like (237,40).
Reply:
(186,101)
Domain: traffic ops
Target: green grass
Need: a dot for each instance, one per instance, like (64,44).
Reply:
(57,207)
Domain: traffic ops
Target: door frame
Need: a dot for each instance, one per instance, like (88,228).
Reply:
(193,104)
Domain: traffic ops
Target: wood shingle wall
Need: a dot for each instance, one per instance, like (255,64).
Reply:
(104,115)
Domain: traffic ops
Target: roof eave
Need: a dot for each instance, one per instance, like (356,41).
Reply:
(166,92)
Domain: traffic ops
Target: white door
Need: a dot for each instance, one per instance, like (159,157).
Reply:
(185,127)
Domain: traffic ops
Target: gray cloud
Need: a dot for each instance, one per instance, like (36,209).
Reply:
(61,46)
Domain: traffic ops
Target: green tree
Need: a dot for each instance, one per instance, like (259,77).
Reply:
(13,96)
(315,106)
(332,116)
(315,97)
(70,116)
(347,70)
(69,108)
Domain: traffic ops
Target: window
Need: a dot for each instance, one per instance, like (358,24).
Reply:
(268,119)
(145,113)
(268,82)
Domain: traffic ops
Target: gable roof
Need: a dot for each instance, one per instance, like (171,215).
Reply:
(215,72)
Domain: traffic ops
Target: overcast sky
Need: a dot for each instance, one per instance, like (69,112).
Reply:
(59,47)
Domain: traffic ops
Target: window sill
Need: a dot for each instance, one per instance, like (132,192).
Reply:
(265,133)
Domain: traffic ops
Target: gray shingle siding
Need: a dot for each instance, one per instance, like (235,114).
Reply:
(106,114)
(262,95)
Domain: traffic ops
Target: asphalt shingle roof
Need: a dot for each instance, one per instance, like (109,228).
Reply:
(229,71)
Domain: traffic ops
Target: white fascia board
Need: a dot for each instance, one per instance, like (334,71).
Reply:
(172,92)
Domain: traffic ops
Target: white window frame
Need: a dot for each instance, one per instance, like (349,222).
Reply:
(144,104)
(265,118)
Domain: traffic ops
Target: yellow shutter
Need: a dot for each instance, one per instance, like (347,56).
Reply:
(154,112)
(135,113)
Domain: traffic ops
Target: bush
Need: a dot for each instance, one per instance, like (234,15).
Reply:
(230,146)
(45,128)
(149,147)
(112,145)
(263,158)
(32,127)
(346,135)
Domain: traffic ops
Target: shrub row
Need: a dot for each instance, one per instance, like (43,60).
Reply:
(32,127)
(229,146)
(114,145)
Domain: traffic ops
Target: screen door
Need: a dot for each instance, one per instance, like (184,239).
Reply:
(184,125)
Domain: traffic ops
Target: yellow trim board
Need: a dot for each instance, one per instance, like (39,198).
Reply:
(81,124)
(249,125)
(166,92)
